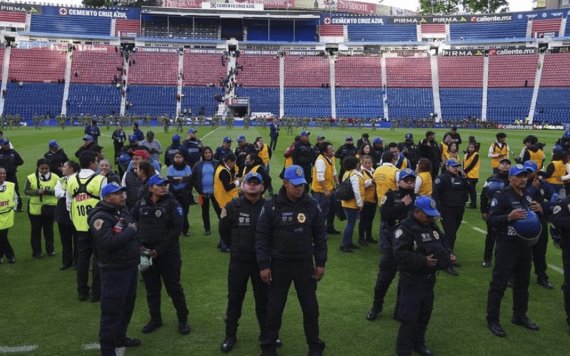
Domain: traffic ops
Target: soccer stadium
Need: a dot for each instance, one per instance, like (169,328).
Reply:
(236,71)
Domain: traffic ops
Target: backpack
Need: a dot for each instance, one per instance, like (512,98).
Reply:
(83,187)
(344,190)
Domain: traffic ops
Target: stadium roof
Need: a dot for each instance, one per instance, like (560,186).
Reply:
(278,14)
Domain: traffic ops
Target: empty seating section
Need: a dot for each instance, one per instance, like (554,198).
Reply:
(358,72)
(98,66)
(72,25)
(382,33)
(496,30)
(33,99)
(410,103)
(331,30)
(433,28)
(93,99)
(306,31)
(180,27)
(14,17)
(261,99)
(360,103)
(306,71)
(257,30)
(408,72)
(507,105)
(37,65)
(281,31)
(545,26)
(553,105)
(512,71)
(567,29)
(1,61)
(460,103)
(202,69)
(152,100)
(258,70)
(196,97)
(460,72)
(126,28)
(308,102)
(556,71)
(154,68)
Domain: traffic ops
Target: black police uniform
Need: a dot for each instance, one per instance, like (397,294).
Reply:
(561,221)
(411,151)
(133,185)
(512,258)
(159,226)
(56,160)
(304,156)
(93,131)
(10,160)
(237,229)
(450,194)
(220,153)
(192,150)
(412,243)
(289,235)
(431,151)
(241,153)
(172,150)
(539,249)
(118,251)
(376,153)
(485,199)
(346,150)
(119,138)
(392,212)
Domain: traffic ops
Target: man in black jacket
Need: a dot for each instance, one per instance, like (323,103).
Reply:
(304,155)
(115,237)
(430,149)
(56,157)
(291,234)
(346,150)
(11,160)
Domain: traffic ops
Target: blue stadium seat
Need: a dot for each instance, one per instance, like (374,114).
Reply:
(382,33)
(261,99)
(196,97)
(93,99)
(457,104)
(553,105)
(498,30)
(152,100)
(359,103)
(33,99)
(308,102)
(73,25)
(507,105)
(410,103)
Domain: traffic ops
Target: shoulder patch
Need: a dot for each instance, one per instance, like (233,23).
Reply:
(556,209)
(494,202)
(97,224)
(223,213)
(398,233)
(437,181)
(179,211)
(384,199)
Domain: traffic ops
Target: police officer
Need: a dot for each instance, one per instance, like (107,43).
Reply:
(494,183)
(273,134)
(346,150)
(223,149)
(395,207)
(159,219)
(561,221)
(290,234)
(192,148)
(119,138)
(450,193)
(242,150)
(419,253)
(11,160)
(115,238)
(93,131)
(171,150)
(509,208)
(238,221)
(376,151)
(56,157)
(303,155)
(83,191)
(410,149)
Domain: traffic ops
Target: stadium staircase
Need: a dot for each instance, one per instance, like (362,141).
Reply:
(435,85)
(179,83)
(332,81)
(125,77)
(5,68)
(281,86)
(537,80)
(69,59)
(384,87)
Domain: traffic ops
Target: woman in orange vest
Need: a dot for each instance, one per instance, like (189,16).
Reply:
(451,153)
(472,165)
(424,179)
(552,178)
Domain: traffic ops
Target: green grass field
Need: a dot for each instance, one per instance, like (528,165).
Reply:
(39,303)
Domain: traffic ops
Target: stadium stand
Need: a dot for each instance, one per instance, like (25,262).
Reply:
(459,103)
(432,28)
(12,17)
(553,104)
(495,30)
(358,72)
(308,102)
(382,33)
(93,99)
(196,97)
(258,70)
(33,99)
(71,25)
(507,105)
(151,68)
(127,28)
(37,65)
(331,30)
(203,69)
(359,103)
(555,72)
(408,72)
(152,100)
(306,71)
(410,103)
(108,61)
(261,99)
(512,71)
(548,26)
(461,86)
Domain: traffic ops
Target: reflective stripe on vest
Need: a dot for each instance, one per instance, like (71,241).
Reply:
(36,201)
(82,203)
(7,205)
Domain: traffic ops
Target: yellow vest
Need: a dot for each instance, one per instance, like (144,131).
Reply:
(450,155)
(253,169)
(82,203)
(502,151)
(427,185)
(7,205)
(537,157)
(384,179)
(473,173)
(369,192)
(329,170)
(444,148)
(36,201)
(222,196)
(263,153)
(559,172)
(352,202)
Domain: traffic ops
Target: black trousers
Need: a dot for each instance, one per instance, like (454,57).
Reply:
(489,244)
(512,260)
(5,247)
(85,251)
(416,305)
(14,179)
(566,285)
(366,220)
(239,274)
(68,237)
(332,213)
(472,190)
(302,274)
(165,269)
(273,143)
(41,223)
(451,218)
(206,199)
(118,294)
(184,201)
(539,253)
(386,274)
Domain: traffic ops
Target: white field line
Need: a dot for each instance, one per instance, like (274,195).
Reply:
(211,132)
(478,229)
(17,349)
(94,346)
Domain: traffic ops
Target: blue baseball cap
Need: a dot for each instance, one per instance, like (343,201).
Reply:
(4,141)
(87,138)
(348,138)
(111,188)
(295,175)
(132,138)
(377,140)
(53,144)
(253,175)
(566,134)
(157,180)
(305,133)
(409,136)
(453,163)
(240,138)
(192,131)
(405,173)
(227,139)
(427,206)
(531,166)
(175,138)
(519,169)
